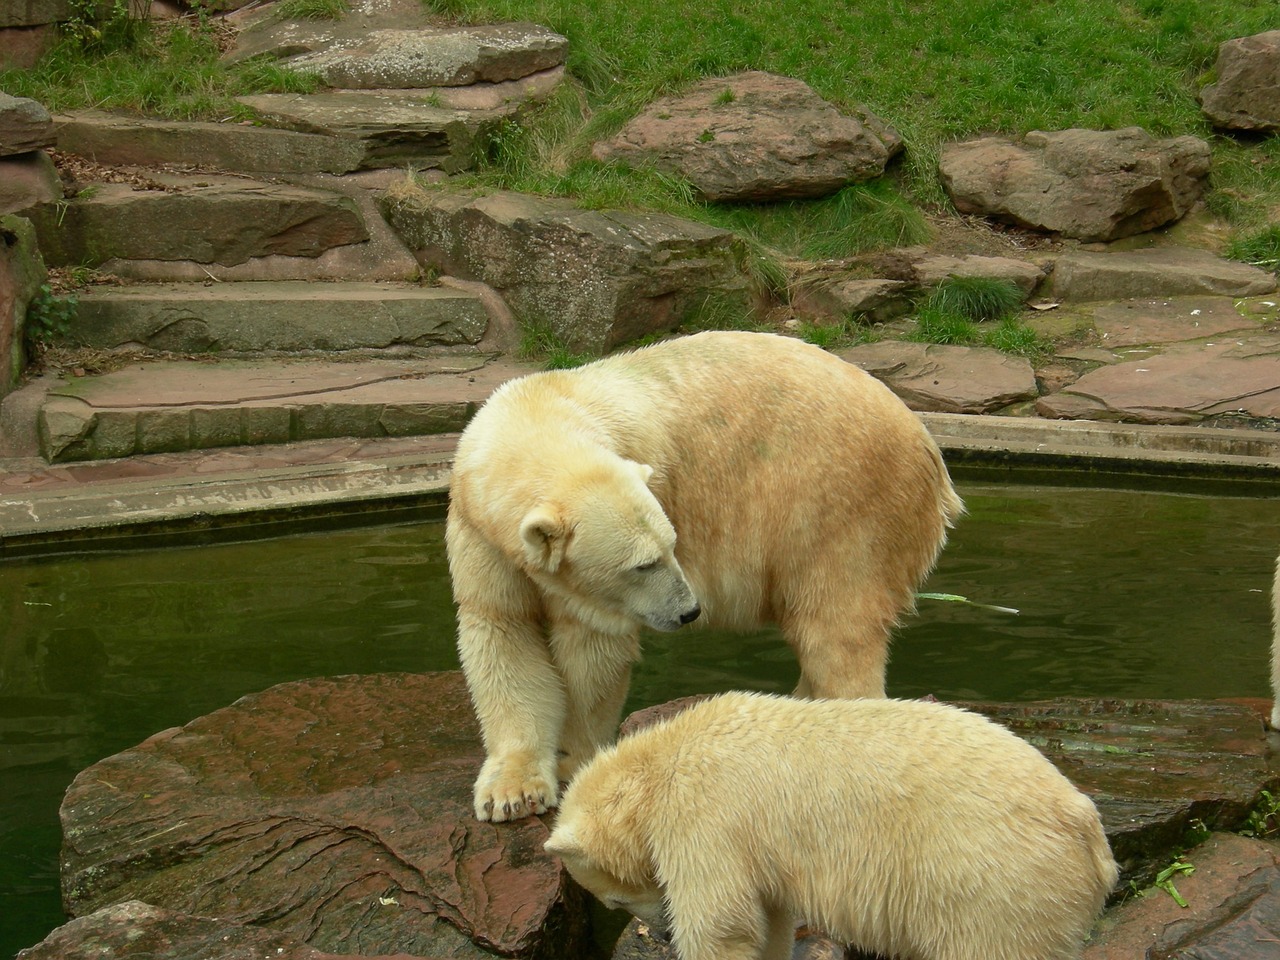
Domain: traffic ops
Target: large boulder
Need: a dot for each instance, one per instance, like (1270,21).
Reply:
(1085,184)
(1246,92)
(22,271)
(28,179)
(593,278)
(334,812)
(754,136)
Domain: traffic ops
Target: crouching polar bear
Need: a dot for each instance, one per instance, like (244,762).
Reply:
(909,829)
(804,493)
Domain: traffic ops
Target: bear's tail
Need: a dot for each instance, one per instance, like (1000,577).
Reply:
(952,505)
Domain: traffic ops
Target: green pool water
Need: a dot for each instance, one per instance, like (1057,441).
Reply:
(1120,593)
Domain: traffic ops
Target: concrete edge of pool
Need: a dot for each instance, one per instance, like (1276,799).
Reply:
(87,511)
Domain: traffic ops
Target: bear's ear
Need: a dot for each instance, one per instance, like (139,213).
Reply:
(543,533)
(645,472)
(563,844)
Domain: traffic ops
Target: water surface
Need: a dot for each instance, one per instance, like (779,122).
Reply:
(1121,594)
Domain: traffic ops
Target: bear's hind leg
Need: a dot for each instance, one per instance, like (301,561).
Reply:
(841,658)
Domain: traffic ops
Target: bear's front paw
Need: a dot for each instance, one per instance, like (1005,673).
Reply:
(510,789)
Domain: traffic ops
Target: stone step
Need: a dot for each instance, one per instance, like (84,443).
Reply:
(214,220)
(277,317)
(166,406)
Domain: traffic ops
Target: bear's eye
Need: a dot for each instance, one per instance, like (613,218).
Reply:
(646,567)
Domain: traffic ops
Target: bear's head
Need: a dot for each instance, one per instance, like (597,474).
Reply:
(601,836)
(602,545)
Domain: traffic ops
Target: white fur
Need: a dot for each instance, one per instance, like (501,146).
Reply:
(911,829)
(1275,651)
(803,493)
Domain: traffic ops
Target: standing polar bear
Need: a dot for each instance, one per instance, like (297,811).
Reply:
(804,493)
(909,829)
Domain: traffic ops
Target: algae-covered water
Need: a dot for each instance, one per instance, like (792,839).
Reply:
(1120,593)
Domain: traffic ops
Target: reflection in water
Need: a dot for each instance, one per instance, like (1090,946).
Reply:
(1122,594)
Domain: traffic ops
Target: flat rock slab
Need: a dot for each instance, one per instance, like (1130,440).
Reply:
(247,148)
(1085,184)
(445,57)
(594,278)
(1232,912)
(1155,272)
(204,219)
(753,136)
(336,812)
(286,316)
(1182,385)
(171,406)
(947,379)
(1134,323)
(393,128)
(137,929)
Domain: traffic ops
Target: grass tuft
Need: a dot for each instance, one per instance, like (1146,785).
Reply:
(976,298)
(540,342)
(1262,248)
(312,9)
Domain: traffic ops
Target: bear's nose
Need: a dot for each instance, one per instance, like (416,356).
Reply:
(691,616)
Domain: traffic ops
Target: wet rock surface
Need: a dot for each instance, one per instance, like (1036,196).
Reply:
(335,812)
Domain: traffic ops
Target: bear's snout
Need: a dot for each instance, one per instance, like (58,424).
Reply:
(691,615)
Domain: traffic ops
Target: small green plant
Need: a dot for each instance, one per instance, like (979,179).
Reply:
(725,96)
(1264,819)
(1262,249)
(824,335)
(1165,878)
(1015,337)
(312,9)
(706,136)
(49,317)
(540,342)
(937,326)
(976,298)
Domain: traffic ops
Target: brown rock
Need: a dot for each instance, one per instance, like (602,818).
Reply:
(136,929)
(1156,271)
(448,57)
(31,13)
(26,180)
(1233,909)
(1133,323)
(594,278)
(752,136)
(22,47)
(208,220)
(1086,184)
(336,812)
(948,379)
(932,270)
(25,125)
(1184,384)
(837,298)
(1246,92)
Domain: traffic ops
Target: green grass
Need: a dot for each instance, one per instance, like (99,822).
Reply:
(163,70)
(976,298)
(938,71)
(311,9)
(541,343)
(1262,248)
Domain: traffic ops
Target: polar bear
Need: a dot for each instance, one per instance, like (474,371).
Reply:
(804,494)
(908,829)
